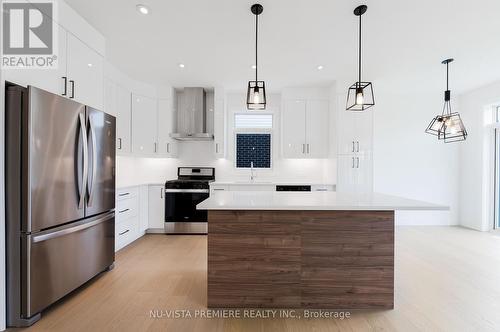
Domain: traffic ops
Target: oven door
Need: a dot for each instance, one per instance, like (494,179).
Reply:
(180,205)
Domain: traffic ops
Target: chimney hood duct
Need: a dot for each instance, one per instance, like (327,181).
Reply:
(192,116)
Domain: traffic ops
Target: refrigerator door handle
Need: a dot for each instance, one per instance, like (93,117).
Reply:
(69,230)
(83,131)
(91,183)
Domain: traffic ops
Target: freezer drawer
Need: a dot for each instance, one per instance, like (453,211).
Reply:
(65,258)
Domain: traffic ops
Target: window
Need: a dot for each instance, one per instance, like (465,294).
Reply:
(253,121)
(253,148)
(253,139)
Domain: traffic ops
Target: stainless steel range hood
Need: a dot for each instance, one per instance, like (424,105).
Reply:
(192,116)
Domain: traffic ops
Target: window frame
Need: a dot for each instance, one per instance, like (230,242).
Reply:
(254,131)
(235,114)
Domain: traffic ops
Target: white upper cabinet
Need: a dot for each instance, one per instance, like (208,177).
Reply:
(85,73)
(123,118)
(294,129)
(317,134)
(117,102)
(305,129)
(79,74)
(144,126)
(219,128)
(51,80)
(355,132)
(167,147)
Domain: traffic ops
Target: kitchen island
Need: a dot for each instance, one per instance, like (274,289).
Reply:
(302,250)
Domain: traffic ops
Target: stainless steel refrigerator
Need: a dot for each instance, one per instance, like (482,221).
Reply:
(60,198)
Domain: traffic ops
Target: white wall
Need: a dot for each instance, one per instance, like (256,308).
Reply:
(476,157)
(410,163)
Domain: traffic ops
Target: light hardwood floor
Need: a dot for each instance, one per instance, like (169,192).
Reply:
(447,279)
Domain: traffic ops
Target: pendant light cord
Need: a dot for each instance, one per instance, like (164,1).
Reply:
(359,58)
(447,75)
(256,45)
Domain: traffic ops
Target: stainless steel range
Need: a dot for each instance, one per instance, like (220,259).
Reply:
(182,196)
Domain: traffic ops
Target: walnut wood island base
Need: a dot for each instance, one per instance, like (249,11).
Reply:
(314,250)
(300,259)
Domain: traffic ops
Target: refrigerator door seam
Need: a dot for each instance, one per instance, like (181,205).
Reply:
(91,185)
(83,131)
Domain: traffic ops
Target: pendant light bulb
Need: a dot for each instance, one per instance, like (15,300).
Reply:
(256,97)
(360,98)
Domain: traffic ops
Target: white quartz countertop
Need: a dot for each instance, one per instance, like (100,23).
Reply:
(253,200)
(269,183)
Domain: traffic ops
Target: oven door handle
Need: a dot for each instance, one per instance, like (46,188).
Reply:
(203,191)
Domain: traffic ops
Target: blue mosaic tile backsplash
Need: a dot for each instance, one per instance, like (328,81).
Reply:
(253,147)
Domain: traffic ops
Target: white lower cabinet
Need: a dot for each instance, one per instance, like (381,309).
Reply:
(218,187)
(355,173)
(143,208)
(156,207)
(323,187)
(126,216)
(138,209)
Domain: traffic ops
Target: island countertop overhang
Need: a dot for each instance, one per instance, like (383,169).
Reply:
(313,201)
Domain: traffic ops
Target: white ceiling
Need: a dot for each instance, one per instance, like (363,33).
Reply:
(404,41)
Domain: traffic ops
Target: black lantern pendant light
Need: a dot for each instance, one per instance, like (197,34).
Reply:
(256,94)
(448,126)
(360,94)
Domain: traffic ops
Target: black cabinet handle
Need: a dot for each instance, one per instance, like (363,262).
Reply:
(65,91)
(72,88)
(123,211)
(124,194)
(124,232)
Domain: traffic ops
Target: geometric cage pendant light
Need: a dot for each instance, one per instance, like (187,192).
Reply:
(360,94)
(256,93)
(448,126)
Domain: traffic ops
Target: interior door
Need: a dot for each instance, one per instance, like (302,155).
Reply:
(101,146)
(57,131)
